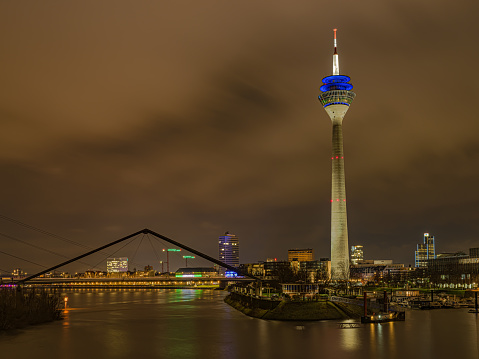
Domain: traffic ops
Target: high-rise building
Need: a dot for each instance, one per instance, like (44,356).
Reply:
(425,251)
(117,265)
(357,254)
(300,255)
(229,249)
(336,97)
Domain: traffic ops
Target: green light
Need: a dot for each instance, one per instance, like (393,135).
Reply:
(194,275)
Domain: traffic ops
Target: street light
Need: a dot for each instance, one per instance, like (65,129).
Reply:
(168,257)
(186,259)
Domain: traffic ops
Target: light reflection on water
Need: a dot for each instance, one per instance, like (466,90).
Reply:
(169,323)
(350,340)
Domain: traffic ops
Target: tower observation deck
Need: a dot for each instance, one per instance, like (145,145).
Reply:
(336,97)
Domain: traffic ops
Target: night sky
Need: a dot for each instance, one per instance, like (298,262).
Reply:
(193,118)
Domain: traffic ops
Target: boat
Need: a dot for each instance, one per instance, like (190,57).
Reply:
(430,305)
(384,317)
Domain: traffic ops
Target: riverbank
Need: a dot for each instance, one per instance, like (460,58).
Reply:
(20,307)
(292,310)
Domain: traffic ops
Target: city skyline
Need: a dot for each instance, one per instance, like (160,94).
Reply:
(191,123)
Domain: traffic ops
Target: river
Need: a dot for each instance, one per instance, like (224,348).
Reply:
(183,323)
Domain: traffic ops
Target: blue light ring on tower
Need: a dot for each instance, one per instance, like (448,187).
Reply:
(336,78)
(336,97)
(336,86)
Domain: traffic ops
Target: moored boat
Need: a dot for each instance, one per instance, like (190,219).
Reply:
(384,317)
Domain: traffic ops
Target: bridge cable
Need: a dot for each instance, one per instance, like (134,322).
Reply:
(136,251)
(154,249)
(43,231)
(110,255)
(22,281)
(41,248)
(23,259)
(6,271)
(48,233)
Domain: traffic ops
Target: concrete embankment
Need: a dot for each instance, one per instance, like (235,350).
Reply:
(292,310)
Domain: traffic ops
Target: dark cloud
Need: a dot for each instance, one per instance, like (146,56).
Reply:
(194,120)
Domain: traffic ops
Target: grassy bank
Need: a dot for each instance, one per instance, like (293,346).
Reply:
(20,307)
(301,311)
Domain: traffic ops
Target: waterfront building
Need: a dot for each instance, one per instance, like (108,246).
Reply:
(229,251)
(425,251)
(454,270)
(378,270)
(316,270)
(303,271)
(18,273)
(336,97)
(357,254)
(198,272)
(300,255)
(300,289)
(117,265)
(275,269)
(254,269)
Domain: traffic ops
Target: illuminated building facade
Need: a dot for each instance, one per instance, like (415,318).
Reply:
(336,97)
(117,265)
(300,255)
(357,254)
(229,249)
(198,272)
(425,251)
(454,270)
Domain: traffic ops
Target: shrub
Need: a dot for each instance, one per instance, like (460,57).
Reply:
(20,307)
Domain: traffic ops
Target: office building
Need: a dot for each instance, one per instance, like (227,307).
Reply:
(229,251)
(336,97)
(454,270)
(300,255)
(357,254)
(425,251)
(117,265)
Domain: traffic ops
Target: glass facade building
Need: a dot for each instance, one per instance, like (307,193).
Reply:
(425,251)
(229,251)
(357,254)
(117,265)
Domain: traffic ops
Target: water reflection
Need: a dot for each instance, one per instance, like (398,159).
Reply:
(198,324)
(350,339)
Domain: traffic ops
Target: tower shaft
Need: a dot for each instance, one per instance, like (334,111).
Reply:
(339,223)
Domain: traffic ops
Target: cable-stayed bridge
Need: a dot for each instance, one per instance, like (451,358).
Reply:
(165,280)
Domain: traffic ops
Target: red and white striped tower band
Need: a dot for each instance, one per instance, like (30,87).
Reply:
(336,96)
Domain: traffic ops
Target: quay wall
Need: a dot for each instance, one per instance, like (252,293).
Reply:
(292,310)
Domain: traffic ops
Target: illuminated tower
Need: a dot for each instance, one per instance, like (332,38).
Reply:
(425,251)
(336,96)
(229,249)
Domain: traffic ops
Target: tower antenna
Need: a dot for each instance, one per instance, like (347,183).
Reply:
(335,55)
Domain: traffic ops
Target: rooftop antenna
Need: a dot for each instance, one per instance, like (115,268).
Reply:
(335,55)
